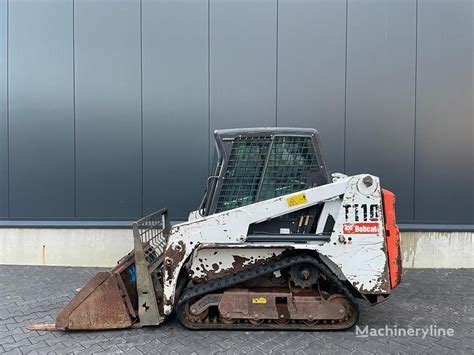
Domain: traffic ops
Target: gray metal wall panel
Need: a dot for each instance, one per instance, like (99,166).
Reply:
(444,114)
(3,112)
(243,63)
(423,153)
(108,109)
(311,71)
(175,104)
(41,117)
(381,52)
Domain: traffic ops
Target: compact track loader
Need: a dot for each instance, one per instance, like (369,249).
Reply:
(276,243)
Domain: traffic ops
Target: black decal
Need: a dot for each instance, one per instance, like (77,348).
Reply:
(364,211)
(346,208)
(374,211)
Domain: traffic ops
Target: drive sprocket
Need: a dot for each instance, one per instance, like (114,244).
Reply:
(304,275)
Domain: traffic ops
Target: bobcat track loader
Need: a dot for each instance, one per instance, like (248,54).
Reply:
(277,243)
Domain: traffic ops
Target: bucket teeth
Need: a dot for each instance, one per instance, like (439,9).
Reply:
(42,327)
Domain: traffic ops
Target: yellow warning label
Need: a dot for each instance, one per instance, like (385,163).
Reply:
(296,200)
(260,300)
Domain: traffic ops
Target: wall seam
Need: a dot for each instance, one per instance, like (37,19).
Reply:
(415,109)
(141,108)
(8,107)
(209,86)
(345,92)
(276,63)
(74,103)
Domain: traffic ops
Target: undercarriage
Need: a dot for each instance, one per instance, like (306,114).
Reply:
(293,292)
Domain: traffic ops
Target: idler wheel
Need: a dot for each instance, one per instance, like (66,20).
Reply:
(195,318)
(256,321)
(340,299)
(282,321)
(226,320)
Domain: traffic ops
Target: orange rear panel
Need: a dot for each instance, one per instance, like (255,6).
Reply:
(392,235)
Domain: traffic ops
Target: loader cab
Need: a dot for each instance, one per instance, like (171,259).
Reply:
(257,164)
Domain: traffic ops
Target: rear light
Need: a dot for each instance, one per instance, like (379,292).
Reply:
(392,236)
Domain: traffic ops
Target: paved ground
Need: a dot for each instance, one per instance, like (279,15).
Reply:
(440,298)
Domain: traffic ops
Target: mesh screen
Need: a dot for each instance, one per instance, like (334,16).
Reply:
(287,170)
(151,231)
(289,165)
(243,173)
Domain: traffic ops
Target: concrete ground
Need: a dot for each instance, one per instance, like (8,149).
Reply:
(440,298)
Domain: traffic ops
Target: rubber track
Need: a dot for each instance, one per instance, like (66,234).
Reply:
(261,270)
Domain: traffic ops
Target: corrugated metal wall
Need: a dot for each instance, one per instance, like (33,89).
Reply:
(107,107)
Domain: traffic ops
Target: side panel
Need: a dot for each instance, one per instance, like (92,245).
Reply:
(108,109)
(242,63)
(175,104)
(311,71)
(213,262)
(357,246)
(381,52)
(3,111)
(444,113)
(41,109)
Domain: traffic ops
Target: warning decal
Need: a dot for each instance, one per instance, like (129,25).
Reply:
(259,300)
(296,200)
